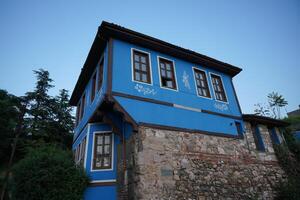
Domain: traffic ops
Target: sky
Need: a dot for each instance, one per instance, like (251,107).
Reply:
(260,36)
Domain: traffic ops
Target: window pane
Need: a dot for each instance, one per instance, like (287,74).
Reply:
(170,84)
(168,66)
(200,91)
(106,162)
(169,74)
(107,139)
(163,73)
(144,68)
(136,57)
(98,162)
(143,59)
(106,149)
(144,77)
(99,139)
(99,150)
(162,65)
(137,76)
(204,93)
(137,65)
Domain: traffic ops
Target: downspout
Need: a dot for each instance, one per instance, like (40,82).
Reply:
(124,155)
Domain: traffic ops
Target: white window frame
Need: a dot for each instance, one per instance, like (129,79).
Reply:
(132,67)
(195,83)
(112,151)
(227,100)
(158,57)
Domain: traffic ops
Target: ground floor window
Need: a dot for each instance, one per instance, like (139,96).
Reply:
(102,158)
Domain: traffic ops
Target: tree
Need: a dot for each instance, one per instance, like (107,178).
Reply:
(8,121)
(276,102)
(48,173)
(49,118)
(39,105)
(273,108)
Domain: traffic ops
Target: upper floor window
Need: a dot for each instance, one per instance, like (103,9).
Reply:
(78,112)
(82,107)
(102,158)
(201,83)
(167,74)
(93,92)
(218,88)
(100,75)
(141,66)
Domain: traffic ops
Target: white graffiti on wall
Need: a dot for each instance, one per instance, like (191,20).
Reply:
(185,80)
(144,90)
(221,107)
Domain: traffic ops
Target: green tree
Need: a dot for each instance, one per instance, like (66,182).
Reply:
(273,108)
(48,173)
(49,118)
(276,102)
(9,106)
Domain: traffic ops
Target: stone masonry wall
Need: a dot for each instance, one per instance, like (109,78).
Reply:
(181,165)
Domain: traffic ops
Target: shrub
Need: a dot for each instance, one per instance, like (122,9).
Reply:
(48,173)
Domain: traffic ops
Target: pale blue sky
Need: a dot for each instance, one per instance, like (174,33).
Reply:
(262,37)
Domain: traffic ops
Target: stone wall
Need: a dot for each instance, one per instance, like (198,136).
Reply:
(180,165)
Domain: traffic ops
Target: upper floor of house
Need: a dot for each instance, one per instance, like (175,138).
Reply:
(156,83)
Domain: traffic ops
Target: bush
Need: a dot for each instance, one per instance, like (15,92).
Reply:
(48,173)
(289,190)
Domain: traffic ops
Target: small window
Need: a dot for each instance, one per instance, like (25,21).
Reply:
(93,87)
(102,151)
(273,135)
(201,83)
(78,112)
(82,151)
(259,143)
(239,128)
(100,75)
(82,106)
(218,88)
(141,67)
(167,74)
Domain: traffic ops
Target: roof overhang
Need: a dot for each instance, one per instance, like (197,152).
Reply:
(256,119)
(110,30)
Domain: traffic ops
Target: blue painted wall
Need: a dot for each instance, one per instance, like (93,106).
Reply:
(122,81)
(90,107)
(101,193)
(185,96)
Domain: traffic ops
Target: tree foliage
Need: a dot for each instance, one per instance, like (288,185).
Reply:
(273,107)
(48,173)
(289,158)
(9,110)
(49,119)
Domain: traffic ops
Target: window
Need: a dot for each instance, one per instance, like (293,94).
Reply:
(273,135)
(82,151)
(201,83)
(239,128)
(102,158)
(82,107)
(167,74)
(78,112)
(141,67)
(100,75)
(218,88)
(93,87)
(257,138)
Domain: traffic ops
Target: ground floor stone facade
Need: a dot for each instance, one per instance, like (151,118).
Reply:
(167,164)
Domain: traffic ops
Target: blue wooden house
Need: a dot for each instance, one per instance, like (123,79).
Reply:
(130,80)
